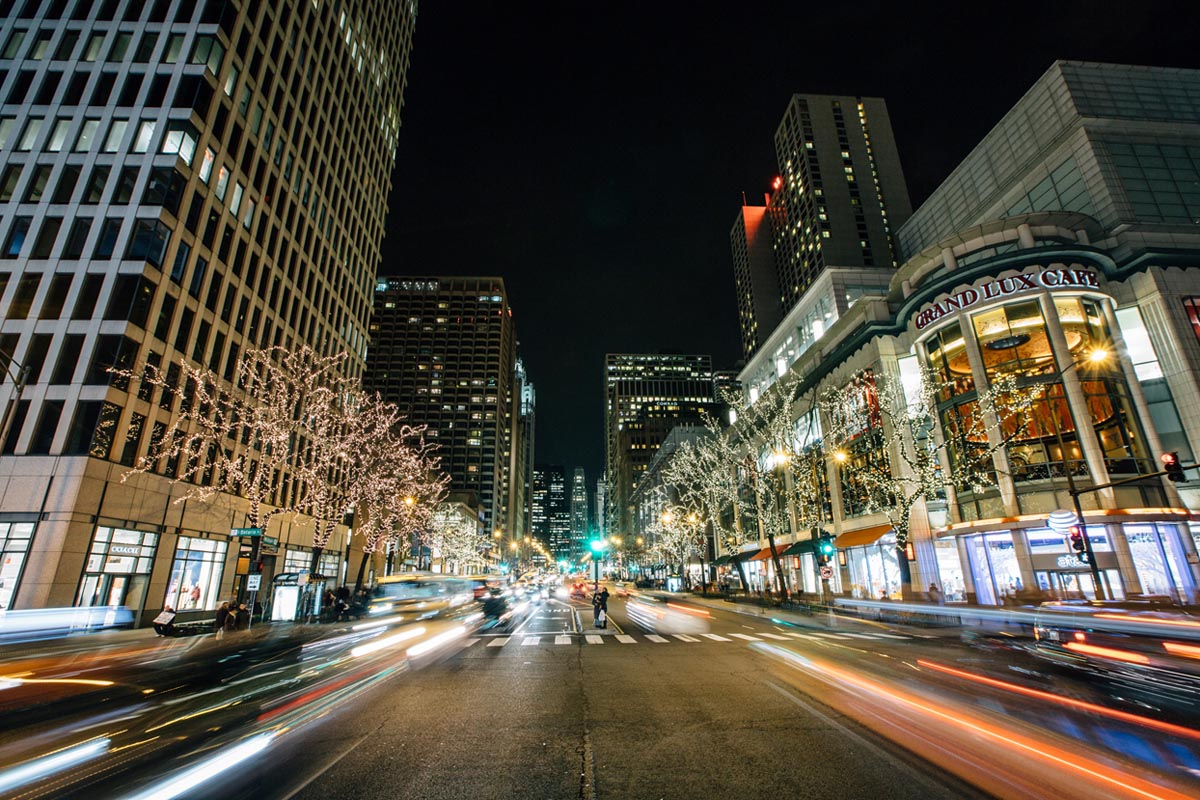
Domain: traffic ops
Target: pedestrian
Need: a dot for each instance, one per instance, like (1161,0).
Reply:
(602,599)
(242,618)
(164,623)
(935,595)
(596,610)
(222,619)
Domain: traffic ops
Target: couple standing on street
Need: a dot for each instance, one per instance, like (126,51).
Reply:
(600,609)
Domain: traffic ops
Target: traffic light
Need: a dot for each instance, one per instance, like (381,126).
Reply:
(1076,539)
(825,548)
(597,545)
(257,567)
(1173,466)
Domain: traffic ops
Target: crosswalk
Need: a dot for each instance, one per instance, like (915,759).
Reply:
(624,639)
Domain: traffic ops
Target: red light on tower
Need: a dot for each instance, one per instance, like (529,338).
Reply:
(775,184)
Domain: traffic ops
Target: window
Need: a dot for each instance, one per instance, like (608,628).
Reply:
(197,281)
(88,294)
(120,47)
(35,356)
(66,184)
(68,358)
(145,48)
(15,538)
(16,237)
(209,52)
(66,46)
(116,132)
(23,296)
(91,50)
(8,183)
(37,183)
(56,296)
(107,242)
(222,183)
(148,241)
(207,164)
(79,437)
(13,48)
(180,264)
(145,135)
(164,188)
(47,236)
(162,328)
(126,181)
(32,129)
(105,428)
(95,187)
(235,200)
(172,50)
(181,140)
(58,136)
(47,426)
(77,238)
(196,574)
(87,135)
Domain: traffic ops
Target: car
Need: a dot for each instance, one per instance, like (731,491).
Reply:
(503,612)
(579,590)
(621,589)
(421,595)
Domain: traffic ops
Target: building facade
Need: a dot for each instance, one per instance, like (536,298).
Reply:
(520,504)
(552,510)
(579,513)
(173,187)
(443,350)
(646,395)
(1062,254)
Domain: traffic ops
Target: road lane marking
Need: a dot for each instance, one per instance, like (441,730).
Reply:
(833,635)
(594,639)
(654,637)
(746,637)
(774,636)
(807,636)
(683,637)
(529,640)
(892,636)
(470,642)
(498,642)
(714,637)
(626,639)
(561,639)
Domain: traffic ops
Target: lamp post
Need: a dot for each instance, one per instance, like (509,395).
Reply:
(1096,358)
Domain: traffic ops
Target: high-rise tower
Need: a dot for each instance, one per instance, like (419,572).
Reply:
(178,180)
(443,349)
(579,512)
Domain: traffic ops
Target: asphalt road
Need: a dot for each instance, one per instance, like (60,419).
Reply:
(562,710)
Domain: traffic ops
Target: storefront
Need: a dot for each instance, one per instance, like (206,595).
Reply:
(15,538)
(118,568)
(195,581)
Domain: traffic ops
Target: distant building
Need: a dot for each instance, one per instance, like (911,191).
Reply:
(520,504)
(579,513)
(552,510)
(443,350)
(646,395)
(601,508)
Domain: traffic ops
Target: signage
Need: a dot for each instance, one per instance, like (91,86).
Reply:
(1002,287)
(271,541)
(826,572)
(125,549)
(1070,562)
(245,532)
(302,578)
(253,582)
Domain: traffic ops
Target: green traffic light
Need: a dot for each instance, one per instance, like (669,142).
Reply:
(597,545)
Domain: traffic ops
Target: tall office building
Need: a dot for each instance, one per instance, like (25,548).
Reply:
(755,275)
(601,507)
(579,512)
(551,511)
(177,182)
(520,504)
(443,350)
(838,201)
(646,395)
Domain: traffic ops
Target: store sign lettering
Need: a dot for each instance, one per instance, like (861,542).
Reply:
(1070,562)
(1002,287)
(125,549)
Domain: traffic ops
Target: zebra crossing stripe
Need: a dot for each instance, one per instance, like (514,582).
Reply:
(807,636)
(714,637)
(654,637)
(683,637)
(594,639)
(498,642)
(562,639)
(774,636)
(469,642)
(530,640)
(624,639)
(747,637)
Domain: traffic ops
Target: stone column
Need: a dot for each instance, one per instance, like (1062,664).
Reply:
(968,573)
(1008,489)
(1129,575)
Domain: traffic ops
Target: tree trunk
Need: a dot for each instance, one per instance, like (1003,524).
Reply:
(316,560)
(778,567)
(906,589)
(741,568)
(703,575)
(362,569)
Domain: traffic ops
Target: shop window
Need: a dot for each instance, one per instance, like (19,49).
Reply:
(15,538)
(118,568)
(196,572)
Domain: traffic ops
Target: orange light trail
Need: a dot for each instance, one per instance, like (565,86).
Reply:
(1107,652)
(1191,651)
(1181,623)
(1166,727)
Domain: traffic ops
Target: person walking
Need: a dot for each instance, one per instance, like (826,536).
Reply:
(242,617)
(935,595)
(602,604)
(596,610)
(222,619)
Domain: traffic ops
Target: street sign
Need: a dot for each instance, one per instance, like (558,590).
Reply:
(270,541)
(245,531)
(253,582)
(826,572)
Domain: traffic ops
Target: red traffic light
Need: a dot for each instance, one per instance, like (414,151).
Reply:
(1173,466)
(1076,539)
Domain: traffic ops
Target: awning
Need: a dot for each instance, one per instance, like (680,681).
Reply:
(862,536)
(722,560)
(744,556)
(807,546)
(765,553)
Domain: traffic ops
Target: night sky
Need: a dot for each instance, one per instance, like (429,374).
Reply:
(594,155)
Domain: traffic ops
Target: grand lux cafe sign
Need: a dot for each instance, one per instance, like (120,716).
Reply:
(1002,287)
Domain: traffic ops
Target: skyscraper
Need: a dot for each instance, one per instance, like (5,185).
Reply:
(837,203)
(520,504)
(176,182)
(443,349)
(601,508)
(551,511)
(579,512)
(646,395)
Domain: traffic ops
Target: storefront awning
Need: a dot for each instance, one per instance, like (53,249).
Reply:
(721,561)
(765,553)
(861,537)
(800,548)
(744,556)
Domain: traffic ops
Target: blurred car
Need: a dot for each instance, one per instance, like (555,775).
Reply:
(1147,649)
(502,612)
(579,590)
(621,589)
(659,616)
(421,595)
